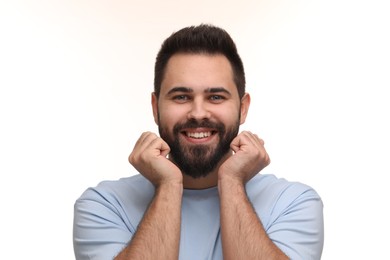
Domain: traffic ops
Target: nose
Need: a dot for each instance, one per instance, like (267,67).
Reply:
(199,110)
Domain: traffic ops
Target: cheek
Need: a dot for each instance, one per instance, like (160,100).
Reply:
(166,118)
(228,115)
(171,115)
(166,122)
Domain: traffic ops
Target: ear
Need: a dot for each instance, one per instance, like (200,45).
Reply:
(245,102)
(154,100)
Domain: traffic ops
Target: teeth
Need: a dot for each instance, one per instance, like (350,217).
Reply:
(199,135)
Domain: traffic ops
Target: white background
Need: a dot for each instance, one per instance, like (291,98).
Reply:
(76,78)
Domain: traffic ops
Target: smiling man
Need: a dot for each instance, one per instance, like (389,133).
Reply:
(199,193)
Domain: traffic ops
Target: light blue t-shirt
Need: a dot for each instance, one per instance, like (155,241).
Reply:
(107,216)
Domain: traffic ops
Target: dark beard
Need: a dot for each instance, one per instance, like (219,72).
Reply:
(199,160)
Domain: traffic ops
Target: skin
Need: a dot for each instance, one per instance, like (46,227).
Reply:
(198,86)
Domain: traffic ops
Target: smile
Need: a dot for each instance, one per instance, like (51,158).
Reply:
(198,135)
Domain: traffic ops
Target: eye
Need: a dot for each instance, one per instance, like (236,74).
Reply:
(181,98)
(217,98)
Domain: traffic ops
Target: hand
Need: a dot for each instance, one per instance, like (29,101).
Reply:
(249,158)
(149,158)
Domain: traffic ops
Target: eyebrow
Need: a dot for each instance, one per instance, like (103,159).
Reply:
(218,90)
(190,90)
(180,89)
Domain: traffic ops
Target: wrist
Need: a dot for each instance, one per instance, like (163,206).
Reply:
(230,184)
(175,186)
(227,176)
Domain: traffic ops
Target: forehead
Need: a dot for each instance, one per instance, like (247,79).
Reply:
(198,72)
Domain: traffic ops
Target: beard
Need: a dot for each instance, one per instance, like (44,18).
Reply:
(198,160)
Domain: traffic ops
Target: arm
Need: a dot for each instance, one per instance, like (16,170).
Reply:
(158,234)
(243,236)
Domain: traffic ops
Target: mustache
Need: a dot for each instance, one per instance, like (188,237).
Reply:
(193,123)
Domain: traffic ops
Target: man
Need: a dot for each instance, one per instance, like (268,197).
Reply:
(199,194)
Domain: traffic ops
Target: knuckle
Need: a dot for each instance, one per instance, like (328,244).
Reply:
(267,160)
(132,158)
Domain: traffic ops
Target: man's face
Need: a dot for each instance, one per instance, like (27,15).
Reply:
(199,111)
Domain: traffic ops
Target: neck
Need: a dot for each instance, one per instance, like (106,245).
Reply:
(211,180)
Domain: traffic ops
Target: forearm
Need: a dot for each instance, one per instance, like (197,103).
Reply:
(243,235)
(158,234)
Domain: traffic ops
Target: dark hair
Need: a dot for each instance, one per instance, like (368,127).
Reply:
(200,39)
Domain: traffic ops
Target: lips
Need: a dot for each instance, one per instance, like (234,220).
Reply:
(198,132)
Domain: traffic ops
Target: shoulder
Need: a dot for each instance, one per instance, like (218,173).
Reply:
(131,194)
(278,188)
(119,188)
(115,207)
(291,213)
(272,196)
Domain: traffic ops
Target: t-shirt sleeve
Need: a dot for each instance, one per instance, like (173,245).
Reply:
(298,227)
(99,230)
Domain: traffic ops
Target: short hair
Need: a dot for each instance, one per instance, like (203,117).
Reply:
(202,39)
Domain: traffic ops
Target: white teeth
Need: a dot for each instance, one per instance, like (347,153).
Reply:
(199,135)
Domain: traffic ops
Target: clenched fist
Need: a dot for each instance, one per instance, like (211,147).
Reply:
(149,157)
(248,159)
